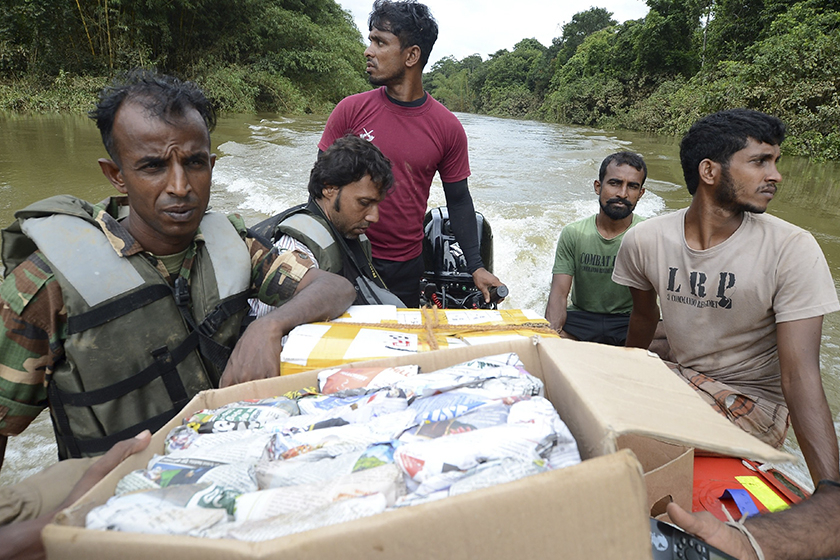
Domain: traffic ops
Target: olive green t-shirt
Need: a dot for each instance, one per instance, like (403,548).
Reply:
(584,254)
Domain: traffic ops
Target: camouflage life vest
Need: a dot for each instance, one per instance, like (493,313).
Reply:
(136,349)
(350,258)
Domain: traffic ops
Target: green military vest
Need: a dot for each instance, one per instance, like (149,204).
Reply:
(305,223)
(350,258)
(137,349)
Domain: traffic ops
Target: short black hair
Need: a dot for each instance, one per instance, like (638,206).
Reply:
(161,95)
(632,159)
(348,160)
(410,21)
(719,135)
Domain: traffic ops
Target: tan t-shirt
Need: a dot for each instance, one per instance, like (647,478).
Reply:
(720,306)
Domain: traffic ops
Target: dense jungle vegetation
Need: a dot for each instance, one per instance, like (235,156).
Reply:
(686,58)
(288,56)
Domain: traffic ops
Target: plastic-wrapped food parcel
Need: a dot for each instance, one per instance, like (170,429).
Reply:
(370,440)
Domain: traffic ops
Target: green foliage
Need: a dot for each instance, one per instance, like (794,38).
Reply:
(644,75)
(666,43)
(777,56)
(582,25)
(510,78)
(585,101)
(66,94)
(737,24)
(451,82)
(510,83)
(792,73)
(259,54)
(597,82)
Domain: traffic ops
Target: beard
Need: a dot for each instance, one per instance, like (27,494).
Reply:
(386,80)
(616,208)
(339,221)
(727,196)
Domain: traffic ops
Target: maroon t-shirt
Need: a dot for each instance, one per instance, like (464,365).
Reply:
(419,141)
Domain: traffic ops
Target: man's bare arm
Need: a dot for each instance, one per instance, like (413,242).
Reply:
(643,319)
(799,359)
(558,296)
(319,296)
(807,530)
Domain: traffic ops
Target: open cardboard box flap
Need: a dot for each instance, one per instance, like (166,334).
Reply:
(600,392)
(630,391)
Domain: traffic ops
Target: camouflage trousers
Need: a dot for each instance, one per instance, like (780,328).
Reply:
(768,421)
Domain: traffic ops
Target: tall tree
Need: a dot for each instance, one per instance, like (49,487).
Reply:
(667,41)
(582,25)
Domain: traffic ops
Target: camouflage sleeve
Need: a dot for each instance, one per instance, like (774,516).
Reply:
(275,273)
(32,318)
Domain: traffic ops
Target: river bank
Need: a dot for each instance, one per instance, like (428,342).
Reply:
(665,113)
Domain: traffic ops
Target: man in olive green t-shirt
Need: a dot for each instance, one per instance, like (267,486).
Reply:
(586,250)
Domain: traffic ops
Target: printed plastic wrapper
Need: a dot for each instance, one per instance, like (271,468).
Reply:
(354,409)
(242,415)
(342,380)
(382,439)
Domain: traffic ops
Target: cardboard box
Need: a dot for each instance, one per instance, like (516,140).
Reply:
(668,468)
(371,332)
(597,509)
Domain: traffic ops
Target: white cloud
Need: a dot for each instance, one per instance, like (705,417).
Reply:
(486,26)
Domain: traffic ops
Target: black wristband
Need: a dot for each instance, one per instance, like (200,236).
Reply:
(826,482)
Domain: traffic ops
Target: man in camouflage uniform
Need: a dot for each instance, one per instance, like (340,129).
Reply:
(67,345)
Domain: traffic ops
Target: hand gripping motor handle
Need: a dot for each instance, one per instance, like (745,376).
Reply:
(498,293)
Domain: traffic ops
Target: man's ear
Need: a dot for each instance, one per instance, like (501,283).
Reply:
(412,56)
(329,192)
(112,172)
(597,187)
(709,171)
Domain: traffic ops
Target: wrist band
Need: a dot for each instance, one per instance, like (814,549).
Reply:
(739,526)
(826,482)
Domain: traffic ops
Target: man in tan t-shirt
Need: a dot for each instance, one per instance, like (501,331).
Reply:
(743,293)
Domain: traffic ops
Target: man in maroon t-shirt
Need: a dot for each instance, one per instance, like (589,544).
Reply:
(420,137)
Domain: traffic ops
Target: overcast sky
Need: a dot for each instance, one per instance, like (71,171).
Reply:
(486,26)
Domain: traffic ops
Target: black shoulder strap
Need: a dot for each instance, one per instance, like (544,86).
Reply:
(350,256)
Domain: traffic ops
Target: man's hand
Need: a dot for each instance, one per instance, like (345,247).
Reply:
(484,280)
(23,540)
(558,295)
(319,296)
(108,462)
(558,319)
(709,529)
(257,354)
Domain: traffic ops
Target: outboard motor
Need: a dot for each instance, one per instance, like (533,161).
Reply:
(446,282)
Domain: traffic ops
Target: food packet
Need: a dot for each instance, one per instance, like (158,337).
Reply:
(163,471)
(339,380)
